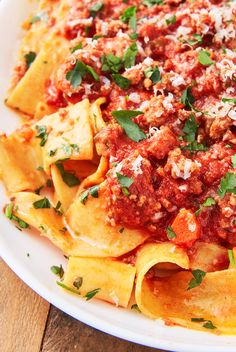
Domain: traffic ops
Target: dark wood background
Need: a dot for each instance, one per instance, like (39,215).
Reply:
(30,324)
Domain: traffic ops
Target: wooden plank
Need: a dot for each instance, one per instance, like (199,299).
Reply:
(23,314)
(65,334)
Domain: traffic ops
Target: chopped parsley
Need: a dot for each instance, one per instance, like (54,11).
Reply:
(208,203)
(121,81)
(57,270)
(41,16)
(170,233)
(93,191)
(92,293)
(231,257)
(129,17)
(198,276)
(197,39)
(204,58)
(42,204)
(150,3)
(42,134)
(171,20)
(190,129)
(58,209)
(208,323)
(49,183)
(96,8)
(194,146)
(121,230)
(76,47)
(9,214)
(124,181)
(187,98)
(153,73)
(70,148)
(38,190)
(227,184)
(125,191)
(78,282)
(69,178)
(135,307)
(29,58)
(111,63)
(233,159)
(229,100)
(68,288)
(130,55)
(124,118)
(79,71)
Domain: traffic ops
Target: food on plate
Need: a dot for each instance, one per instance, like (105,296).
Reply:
(126,156)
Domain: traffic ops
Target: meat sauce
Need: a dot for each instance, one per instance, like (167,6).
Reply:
(188,114)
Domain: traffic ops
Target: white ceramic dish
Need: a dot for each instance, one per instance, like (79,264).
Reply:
(35,269)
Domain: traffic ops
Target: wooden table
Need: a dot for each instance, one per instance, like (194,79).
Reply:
(30,324)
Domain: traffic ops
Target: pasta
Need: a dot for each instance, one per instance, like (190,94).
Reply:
(126,159)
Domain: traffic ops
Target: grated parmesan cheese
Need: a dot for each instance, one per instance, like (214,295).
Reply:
(136,165)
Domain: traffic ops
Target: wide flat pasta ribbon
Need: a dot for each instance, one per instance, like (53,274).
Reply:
(214,299)
(87,222)
(113,279)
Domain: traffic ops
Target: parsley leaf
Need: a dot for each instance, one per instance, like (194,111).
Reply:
(190,129)
(41,16)
(153,73)
(77,47)
(124,118)
(96,8)
(29,58)
(194,146)
(42,134)
(10,216)
(170,233)
(78,282)
(150,3)
(231,257)
(111,63)
(57,270)
(124,181)
(171,20)
(129,17)
(42,204)
(79,71)
(197,39)
(209,325)
(121,81)
(187,98)
(69,178)
(68,288)
(208,203)
(227,184)
(93,191)
(233,159)
(91,294)
(135,307)
(204,58)
(198,276)
(130,55)
(229,100)
(57,209)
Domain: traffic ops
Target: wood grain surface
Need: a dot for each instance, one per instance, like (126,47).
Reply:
(29,324)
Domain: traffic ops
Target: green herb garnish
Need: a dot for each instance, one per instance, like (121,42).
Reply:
(204,58)
(79,71)
(198,276)
(190,129)
(227,184)
(76,47)
(69,178)
(187,98)
(171,20)
(233,160)
(96,8)
(58,270)
(129,17)
(124,181)
(170,233)
(29,58)
(150,3)
(93,191)
(153,73)
(10,216)
(130,55)
(78,282)
(124,118)
(135,307)
(121,81)
(67,288)
(42,134)
(111,63)
(229,100)
(231,257)
(42,204)
(91,294)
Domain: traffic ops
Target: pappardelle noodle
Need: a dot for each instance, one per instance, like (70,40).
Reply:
(126,156)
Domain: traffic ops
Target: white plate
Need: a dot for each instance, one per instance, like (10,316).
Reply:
(35,269)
